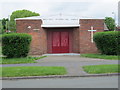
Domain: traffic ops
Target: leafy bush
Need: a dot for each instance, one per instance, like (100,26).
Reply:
(16,44)
(108,42)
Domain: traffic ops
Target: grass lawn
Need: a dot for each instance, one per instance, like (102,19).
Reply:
(109,57)
(20,60)
(32,71)
(97,69)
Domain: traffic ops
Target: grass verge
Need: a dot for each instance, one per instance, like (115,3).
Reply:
(32,71)
(100,56)
(19,60)
(100,69)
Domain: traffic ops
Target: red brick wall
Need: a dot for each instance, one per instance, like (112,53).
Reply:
(76,40)
(39,40)
(80,41)
(86,46)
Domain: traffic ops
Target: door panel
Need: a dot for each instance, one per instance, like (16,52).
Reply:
(56,42)
(64,42)
(56,39)
(60,42)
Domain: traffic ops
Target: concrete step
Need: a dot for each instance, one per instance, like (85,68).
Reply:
(62,54)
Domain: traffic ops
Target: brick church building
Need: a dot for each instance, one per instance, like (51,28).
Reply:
(60,33)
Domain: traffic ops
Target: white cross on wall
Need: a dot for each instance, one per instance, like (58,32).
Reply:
(92,33)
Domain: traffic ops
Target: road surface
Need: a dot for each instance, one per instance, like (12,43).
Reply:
(78,82)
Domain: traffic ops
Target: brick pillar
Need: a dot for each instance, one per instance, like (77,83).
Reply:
(86,46)
(39,40)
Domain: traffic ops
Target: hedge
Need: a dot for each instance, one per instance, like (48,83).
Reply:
(16,44)
(0,38)
(108,42)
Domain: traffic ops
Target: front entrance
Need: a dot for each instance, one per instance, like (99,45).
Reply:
(60,42)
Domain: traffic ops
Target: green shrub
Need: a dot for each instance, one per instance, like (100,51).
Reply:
(16,44)
(108,42)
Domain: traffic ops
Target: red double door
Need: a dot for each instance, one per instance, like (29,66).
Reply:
(60,42)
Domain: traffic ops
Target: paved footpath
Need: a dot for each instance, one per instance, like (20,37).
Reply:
(73,64)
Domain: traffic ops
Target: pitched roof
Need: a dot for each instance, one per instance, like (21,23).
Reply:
(56,20)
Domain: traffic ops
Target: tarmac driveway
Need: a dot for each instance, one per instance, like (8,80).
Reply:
(73,64)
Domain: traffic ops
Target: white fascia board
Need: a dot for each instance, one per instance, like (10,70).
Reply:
(27,19)
(50,26)
(30,18)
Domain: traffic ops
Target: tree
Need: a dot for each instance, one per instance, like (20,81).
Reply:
(20,14)
(110,23)
(4,22)
(3,25)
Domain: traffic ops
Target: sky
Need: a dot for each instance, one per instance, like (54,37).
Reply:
(81,8)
